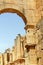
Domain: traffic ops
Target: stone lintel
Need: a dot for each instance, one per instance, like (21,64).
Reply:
(29,26)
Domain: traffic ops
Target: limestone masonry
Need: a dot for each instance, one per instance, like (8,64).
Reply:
(28,49)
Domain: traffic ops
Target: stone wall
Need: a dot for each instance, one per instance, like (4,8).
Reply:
(28,50)
(32,10)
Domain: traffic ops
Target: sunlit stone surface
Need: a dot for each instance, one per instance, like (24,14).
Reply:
(28,49)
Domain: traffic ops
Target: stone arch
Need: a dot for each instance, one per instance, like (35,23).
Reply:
(11,10)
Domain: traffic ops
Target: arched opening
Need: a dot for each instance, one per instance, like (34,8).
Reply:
(10,11)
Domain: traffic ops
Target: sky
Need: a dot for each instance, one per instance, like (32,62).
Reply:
(10,26)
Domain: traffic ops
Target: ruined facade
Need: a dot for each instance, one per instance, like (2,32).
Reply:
(28,50)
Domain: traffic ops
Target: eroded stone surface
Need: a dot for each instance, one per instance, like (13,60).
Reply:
(28,49)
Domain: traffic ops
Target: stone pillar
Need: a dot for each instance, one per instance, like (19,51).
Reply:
(31,44)
(11,57)
(1,59)
(15,44)
(27,61)
(22,47)
(30,34)
(18,46)
(13,53)
(32,56)
(6,56)
(38,46)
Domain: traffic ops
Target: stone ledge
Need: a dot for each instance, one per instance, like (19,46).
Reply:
(29,26)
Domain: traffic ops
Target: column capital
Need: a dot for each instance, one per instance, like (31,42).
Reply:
(29,26)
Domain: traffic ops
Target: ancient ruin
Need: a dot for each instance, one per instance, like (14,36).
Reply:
(28,49)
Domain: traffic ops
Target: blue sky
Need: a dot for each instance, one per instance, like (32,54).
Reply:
(10,25)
